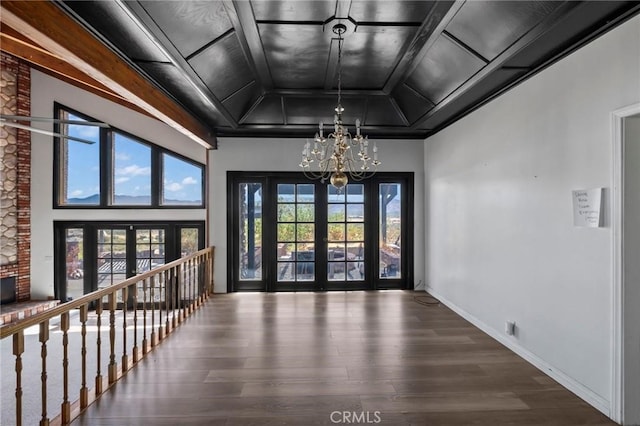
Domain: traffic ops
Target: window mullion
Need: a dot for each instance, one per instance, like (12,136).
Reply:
(106,167)
(156,177)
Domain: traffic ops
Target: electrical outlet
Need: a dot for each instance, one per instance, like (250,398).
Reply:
(510,328)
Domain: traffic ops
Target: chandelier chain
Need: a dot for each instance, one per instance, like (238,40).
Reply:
(340,40)
(340,155)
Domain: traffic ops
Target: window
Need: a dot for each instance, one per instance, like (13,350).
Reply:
(131,171)
(79,164)
(181,182)
(119,170)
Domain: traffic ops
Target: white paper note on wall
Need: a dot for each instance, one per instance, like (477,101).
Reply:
(587,207)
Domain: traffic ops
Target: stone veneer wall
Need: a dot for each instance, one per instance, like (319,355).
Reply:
(15,176)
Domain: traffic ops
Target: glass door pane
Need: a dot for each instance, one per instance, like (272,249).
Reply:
(345,233)
(189,241)
(74,262)
(250,241)
(295,233)
(390,227)
(150,249)
(112,256)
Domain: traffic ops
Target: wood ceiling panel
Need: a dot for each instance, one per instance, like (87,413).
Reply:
(390,11)
(293,10)
(445,67)
(243,100)
(371,54)
(223,67)
(104,16)
(412,105)
(381,111)
(205,20)
(312,110)
(461,105)
(575,28)
(268,111)
(490,27)
(297,54)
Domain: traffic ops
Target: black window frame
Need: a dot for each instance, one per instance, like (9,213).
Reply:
(107,170)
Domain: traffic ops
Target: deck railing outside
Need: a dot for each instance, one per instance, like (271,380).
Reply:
(132,316)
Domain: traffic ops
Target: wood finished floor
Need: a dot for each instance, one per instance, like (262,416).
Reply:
(296,358)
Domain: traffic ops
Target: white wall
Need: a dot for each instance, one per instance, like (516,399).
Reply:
(631,273)
(247,154)
(501,244)
(44,91)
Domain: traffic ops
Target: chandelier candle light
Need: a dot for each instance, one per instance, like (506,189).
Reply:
(334,154)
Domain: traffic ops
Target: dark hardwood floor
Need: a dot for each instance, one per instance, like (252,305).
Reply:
(334,358)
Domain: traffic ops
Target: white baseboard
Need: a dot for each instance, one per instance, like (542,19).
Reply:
(571,384)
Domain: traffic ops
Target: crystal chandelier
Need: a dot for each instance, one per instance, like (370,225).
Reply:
(334,155)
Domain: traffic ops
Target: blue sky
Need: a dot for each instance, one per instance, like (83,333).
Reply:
(132,168)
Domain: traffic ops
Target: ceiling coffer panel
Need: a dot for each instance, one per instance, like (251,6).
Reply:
(242,100)
(470,98)
(205,20)
(412,105)
(223,67)
(312,110)
(298,10)
(390,11)
(382,112)
(370,55)
(297,54)
(445,67)
(474,25)
(268,111)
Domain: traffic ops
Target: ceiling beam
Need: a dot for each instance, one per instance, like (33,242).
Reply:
(17,45)
(244,22)
(48,26)
(435,22)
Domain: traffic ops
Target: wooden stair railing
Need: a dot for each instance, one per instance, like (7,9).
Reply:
(164,297)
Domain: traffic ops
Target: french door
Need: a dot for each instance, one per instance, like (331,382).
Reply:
(94,255)
(292,234)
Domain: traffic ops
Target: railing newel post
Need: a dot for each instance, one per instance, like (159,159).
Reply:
(113,366)
(18,350)
(43,337)
(162,281)
(153,310)
(66,404)
(135,323)
(99,347)
(84,391)
(125,356)
(169,300)
(145,343)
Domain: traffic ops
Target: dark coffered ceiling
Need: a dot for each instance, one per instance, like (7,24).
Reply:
(410,68)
